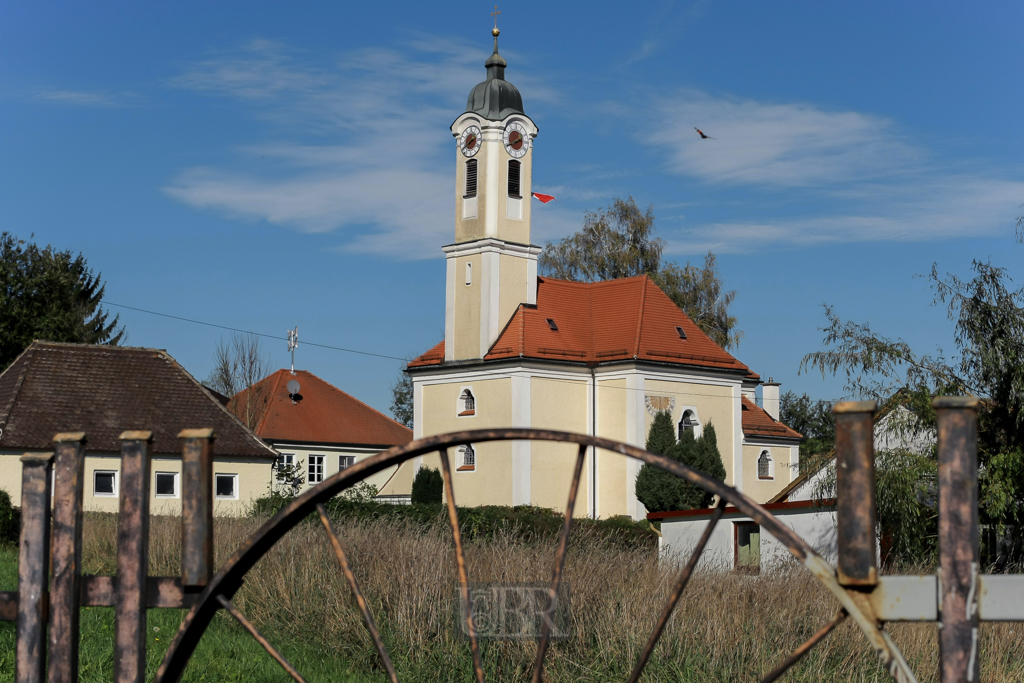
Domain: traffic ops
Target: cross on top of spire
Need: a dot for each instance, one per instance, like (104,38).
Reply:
(495,14)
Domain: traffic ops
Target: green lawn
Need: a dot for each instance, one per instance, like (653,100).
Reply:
(226,652)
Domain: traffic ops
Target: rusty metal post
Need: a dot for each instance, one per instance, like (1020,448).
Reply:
(33,567)
(958,538)
(855,492)
(132,559)
(196,507)
(69,468)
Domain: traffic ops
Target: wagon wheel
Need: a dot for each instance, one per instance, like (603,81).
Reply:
(225,584)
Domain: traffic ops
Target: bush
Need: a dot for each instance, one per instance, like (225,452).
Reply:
(10,520)
(427,487)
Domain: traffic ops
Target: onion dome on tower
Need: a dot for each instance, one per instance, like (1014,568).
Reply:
(495,98)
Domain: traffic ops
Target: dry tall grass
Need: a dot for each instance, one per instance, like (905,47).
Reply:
(728,627)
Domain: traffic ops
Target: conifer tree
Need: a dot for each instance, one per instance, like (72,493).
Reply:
(658,490)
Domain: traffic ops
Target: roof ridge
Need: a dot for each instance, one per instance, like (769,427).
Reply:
(27,354)
(640,315)
(97,347)
(342,391)
(248,432)
(273,391)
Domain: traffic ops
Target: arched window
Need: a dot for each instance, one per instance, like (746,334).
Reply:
(470,179)
(514,186)
(469,273)
(468,457)
(764,466)
(467,403)
(688,422)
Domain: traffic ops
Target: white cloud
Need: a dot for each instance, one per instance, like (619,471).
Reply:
(865,180)
(774,144)
(80,98)
(385,178)
(942,208)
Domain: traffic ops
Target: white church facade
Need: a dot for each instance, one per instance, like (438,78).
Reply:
(521,350)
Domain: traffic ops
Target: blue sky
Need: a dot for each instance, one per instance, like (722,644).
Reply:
(263,166)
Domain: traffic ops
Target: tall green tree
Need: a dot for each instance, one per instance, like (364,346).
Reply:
(620,242)
(51,295)
(662,491)
(989,338)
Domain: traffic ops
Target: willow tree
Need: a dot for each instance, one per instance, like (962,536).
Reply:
(989,363)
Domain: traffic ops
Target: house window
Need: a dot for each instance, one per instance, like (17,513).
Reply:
(104,483)
(467,403)
(514,186)
(748,546)
(284,460)
(469,273)
(470,179)
(315,469)
(166,485)
(346,461)
(688,422)
(764,466)
(468,457)
(225,486)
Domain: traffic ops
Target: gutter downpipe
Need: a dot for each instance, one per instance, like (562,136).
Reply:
(593,450)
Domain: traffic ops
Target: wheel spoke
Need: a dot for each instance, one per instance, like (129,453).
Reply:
(556,577)
(360,600)
(460,563)
(677,591)
(271,650)
(805,648)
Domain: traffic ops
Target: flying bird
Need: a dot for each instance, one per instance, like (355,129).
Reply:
(702,136)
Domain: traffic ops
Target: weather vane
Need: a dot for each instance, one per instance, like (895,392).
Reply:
(293,343)
(495,14)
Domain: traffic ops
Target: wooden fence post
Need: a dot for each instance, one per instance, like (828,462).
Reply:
(69,469)
(132,559)
(33,567)
(958,538)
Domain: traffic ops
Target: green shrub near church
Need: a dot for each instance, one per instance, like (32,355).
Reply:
(662,491)
(428,487)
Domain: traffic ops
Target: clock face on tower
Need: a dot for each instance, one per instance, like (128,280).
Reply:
(517,142)
(469,141)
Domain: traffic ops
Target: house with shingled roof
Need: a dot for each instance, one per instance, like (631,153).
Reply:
(318,428)
(600,358)
(106,390)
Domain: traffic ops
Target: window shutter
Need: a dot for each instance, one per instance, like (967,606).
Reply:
(513,179)
(470,179)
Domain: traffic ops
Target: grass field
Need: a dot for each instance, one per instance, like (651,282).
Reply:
(728,627)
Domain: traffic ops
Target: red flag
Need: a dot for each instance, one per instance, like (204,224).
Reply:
(544,198)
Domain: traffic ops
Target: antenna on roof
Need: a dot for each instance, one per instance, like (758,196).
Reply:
(293,343)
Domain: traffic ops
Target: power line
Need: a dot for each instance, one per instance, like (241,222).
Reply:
(258,334)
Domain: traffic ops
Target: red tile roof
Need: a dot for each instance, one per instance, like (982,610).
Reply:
(106,390)
(757,422)
(324,414)
(602,321)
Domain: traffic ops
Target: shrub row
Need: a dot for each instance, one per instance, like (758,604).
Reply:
(524,522)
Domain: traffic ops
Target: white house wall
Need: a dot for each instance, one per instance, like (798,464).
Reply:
(815,525)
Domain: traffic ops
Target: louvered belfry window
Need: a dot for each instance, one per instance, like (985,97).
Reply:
(513,179)
(764,467)
(470,179)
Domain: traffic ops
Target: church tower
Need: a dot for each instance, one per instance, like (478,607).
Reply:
(492,267)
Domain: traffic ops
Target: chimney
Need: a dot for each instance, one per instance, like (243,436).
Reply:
(770,398)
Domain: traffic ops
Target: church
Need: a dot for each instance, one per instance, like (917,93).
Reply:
(601,358)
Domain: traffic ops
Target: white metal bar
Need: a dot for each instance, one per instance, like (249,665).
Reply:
(915,598)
